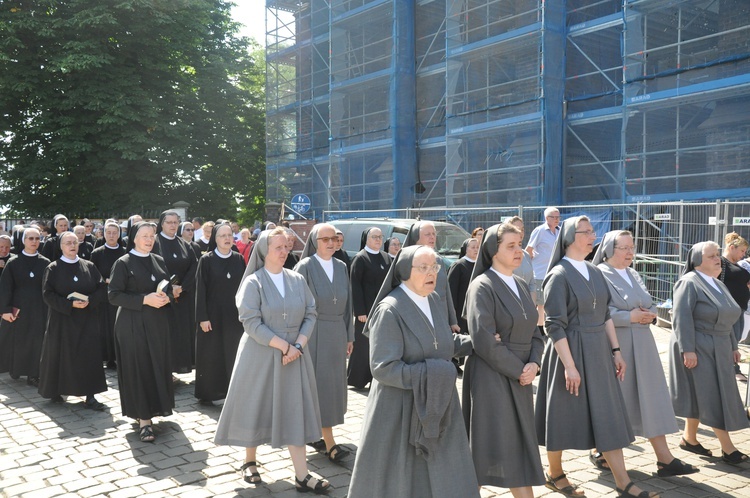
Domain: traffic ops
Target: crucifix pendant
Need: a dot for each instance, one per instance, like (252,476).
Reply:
(524,316)
(434,342)
(283,315)
(594,303)
(334,299)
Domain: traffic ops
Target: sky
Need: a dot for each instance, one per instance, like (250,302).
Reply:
(251,13)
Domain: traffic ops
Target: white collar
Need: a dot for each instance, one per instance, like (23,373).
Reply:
(70,261)
(23,251)
(225,256)
(470,260)
(139,254)
(371,251)
(111,247)
(204,240)
(167,236)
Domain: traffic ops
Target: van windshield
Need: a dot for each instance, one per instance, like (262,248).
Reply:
(449,239)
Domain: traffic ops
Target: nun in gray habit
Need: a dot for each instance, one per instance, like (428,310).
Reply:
(702,382)
(442,288)
(333,335)
(269,400)
(413,442)
(579,404)
(492,392)
(645,386)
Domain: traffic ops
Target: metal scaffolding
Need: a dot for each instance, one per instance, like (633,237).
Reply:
(388,104)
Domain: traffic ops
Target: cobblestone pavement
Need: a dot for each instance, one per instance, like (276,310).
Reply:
(49,449)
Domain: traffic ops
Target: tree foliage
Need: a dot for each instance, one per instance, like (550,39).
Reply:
(126,105)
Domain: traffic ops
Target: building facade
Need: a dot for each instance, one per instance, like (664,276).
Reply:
(389,104)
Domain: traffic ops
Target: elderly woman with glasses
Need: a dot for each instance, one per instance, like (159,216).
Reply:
(413,442)
(579,404)
(332,338)
(644,388)
(701,376)
(280,405)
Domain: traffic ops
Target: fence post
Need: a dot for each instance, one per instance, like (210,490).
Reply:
(637,225)
(717,228)
(725,230)
(681,230)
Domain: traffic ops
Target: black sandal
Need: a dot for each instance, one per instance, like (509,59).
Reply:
(146,434)
(569,490)
(736,457)
(318,445)
(625,493)
(675,468)
(319,488)
(251,477)
(337,453)
(698,448)
(599,461)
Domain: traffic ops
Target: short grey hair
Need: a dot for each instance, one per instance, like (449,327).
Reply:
(550,210)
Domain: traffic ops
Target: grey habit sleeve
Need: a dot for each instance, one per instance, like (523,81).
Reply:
(480,316)
(556,305)
(685,298)
(308,323)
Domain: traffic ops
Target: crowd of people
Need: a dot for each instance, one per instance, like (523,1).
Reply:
(281,338)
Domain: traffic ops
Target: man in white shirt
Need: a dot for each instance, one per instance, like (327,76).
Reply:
(541,243)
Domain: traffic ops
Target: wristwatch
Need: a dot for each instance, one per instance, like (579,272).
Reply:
(299,347)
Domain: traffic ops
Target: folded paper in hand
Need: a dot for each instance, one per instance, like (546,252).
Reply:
(77,296)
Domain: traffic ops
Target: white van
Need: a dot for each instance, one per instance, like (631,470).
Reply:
(449,236)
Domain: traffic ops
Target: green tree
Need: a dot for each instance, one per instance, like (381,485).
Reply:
(122,105)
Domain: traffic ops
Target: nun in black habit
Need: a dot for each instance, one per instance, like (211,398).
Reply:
(51,248)
(142,330)
(71,353)
(23,311)
(369,268)
(186,231)
(340,253)
(459,276)
(103,258)
(181,264)
(219,276)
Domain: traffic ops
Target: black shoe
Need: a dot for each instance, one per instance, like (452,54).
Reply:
(57,399)
(15,377)
(93,404)
(32,381)
(112,365)
(318,445)
(205,402)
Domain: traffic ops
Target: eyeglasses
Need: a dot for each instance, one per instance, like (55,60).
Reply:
(326,240)
(587,232)
(33,238)
(554,217)
(425,269)
(376,237)
(626,248)
(188,230)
